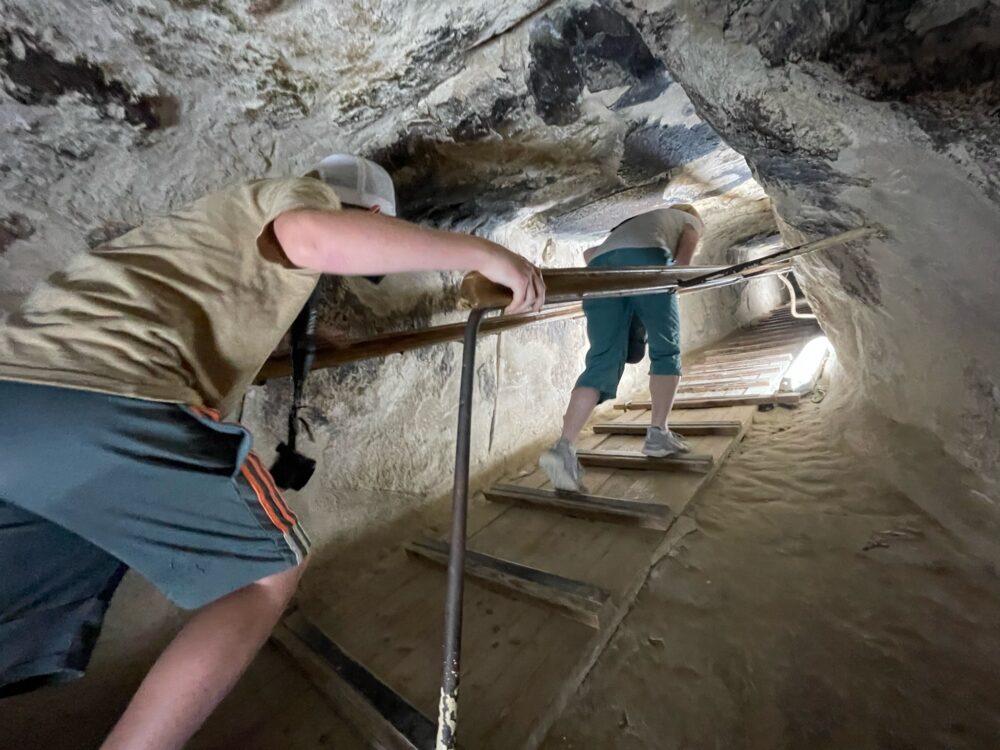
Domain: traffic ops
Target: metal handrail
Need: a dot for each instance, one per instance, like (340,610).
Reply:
(334,354)
(574,284)
(448,702)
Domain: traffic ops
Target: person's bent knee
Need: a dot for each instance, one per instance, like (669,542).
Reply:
(283,585)
(665,365)
(277,588)
(607,388)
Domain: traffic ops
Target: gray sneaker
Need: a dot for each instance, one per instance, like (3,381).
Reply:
(660,443)
(562,467)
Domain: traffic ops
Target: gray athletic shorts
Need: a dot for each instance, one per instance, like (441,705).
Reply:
(91,485)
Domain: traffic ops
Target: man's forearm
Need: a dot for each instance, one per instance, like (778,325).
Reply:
(354,243)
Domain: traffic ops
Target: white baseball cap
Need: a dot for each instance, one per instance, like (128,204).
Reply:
(359,182)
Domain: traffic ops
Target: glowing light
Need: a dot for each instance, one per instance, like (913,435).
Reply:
(805,369)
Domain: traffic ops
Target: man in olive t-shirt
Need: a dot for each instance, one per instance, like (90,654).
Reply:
(113,377)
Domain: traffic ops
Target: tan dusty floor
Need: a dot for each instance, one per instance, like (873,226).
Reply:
(815,608)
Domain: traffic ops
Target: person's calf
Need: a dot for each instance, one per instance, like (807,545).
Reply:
(662,390)
(582,403)
(201,665)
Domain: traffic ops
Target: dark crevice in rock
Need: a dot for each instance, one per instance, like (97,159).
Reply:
(14,227)
(503,112)
(952,118)
(758,120)
(857,275)
(484,164)
(439,47)
(891,49)
(34,76)
(784,31)
(264,7)
(554,79)
(775,156)
(441,178)
(480,169)
(898,48)
(939,60)
(107,231)
(596,47)
(789,172)
(654,149)
(644,90)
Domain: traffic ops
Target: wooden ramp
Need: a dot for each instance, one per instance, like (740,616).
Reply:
(746,368)
(548,578)
(549,575)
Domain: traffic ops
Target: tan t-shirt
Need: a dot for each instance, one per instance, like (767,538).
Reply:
(660,227)
(185,308)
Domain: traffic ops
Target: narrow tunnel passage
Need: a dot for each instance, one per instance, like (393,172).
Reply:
(837,586)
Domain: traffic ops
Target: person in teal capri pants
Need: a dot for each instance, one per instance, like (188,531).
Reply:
(664,236)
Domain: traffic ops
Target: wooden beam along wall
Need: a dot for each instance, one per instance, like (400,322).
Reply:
(395,343)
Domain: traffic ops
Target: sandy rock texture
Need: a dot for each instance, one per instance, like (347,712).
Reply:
(884,113)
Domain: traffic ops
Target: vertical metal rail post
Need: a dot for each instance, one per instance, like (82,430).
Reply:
(448,706)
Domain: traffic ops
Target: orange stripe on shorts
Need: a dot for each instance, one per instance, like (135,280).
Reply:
(207,411)
(276,496)
(261,498)
(263,485)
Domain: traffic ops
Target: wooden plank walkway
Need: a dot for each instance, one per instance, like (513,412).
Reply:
(549,577)
(577,599)
(610,509)
(525,650)
(745,367)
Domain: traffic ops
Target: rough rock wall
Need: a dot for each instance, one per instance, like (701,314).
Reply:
(852,112)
